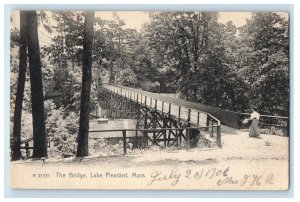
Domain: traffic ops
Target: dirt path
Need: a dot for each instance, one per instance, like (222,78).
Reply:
(242,163)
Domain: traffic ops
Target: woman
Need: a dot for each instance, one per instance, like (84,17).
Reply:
(254,118)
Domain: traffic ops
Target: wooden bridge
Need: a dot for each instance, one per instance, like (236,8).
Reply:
(170,120)
(161,120)
(177,108)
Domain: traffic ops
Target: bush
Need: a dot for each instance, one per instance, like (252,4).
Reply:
(101,147)
(62,129)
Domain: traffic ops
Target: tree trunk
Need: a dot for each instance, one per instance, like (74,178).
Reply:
(195,93)
(37,97)
(98,82)
(82,148)
(111,76)
(16,139)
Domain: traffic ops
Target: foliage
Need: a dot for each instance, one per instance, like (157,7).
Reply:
(114,49)
(101,146)
(194,55)
(62,129)
(264,62)
(221,65)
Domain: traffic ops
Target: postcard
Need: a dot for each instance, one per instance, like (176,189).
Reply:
(149,100)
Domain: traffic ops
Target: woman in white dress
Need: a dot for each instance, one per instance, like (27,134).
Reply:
(254,129)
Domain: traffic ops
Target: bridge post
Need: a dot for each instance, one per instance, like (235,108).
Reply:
(212,128)
(176,133)
(27,150)
(218,140)
(146,127)
(137,125)
(154,123)
(124,142)
(170,124)
(207,122)
(187,139)
(165,125)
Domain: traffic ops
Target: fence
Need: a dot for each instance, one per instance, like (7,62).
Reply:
(270,124)
(27,147)
(215,129)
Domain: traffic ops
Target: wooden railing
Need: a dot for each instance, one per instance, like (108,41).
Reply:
(175,107)
(27,148)
(175,142)
(273,124)
(200,114)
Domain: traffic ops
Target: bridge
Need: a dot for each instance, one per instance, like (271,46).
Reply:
(171,121)
(161,120)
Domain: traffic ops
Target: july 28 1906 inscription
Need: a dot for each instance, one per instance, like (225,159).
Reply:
(149,100)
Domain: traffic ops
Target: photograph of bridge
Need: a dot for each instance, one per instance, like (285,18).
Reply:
(185,100)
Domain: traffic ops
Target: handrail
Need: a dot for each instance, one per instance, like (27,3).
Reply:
(146,98)
(187,139)
(227,117)
(270,122)
(267,116)
(151,129)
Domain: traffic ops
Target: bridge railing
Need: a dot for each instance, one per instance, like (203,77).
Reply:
(174,107)
(227,117)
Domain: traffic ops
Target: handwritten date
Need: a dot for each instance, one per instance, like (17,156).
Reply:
(174,176)
(220,176)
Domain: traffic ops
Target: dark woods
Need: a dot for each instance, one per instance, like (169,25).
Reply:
(192,53)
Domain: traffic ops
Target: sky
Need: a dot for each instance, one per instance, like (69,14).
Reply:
(135,20)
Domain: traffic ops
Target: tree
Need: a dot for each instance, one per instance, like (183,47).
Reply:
(37,97)
(63,51)
(265,62)
(82,148)
(192,43)
(16,140)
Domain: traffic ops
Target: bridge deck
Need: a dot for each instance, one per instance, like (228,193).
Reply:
(177,108)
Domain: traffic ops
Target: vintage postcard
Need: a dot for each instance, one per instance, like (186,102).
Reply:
(139,100)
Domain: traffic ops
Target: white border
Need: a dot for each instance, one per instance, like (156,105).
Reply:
(294,76)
